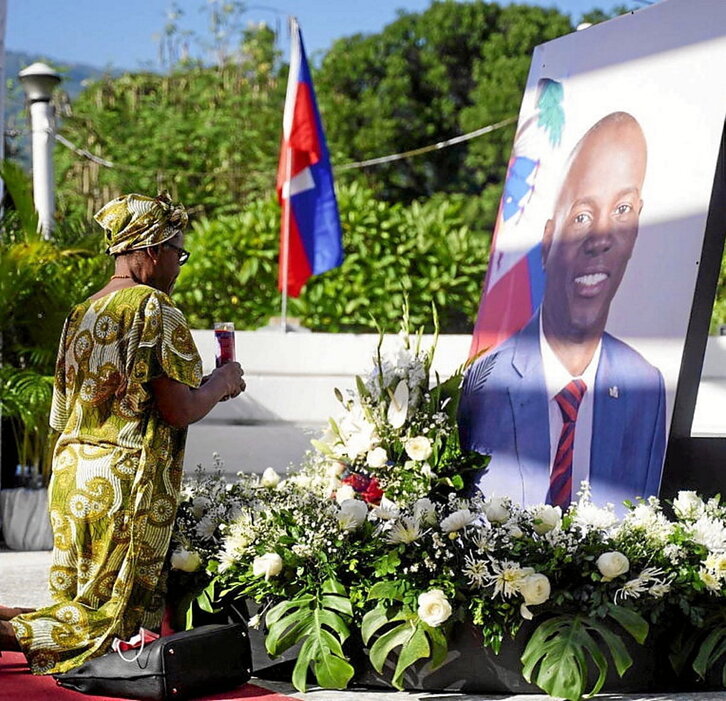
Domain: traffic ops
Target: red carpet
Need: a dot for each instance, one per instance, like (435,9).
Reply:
(18,684)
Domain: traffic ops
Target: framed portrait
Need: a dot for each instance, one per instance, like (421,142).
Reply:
(594,312)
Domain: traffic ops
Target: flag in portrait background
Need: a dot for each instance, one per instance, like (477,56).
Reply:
(514,284)
(310,236)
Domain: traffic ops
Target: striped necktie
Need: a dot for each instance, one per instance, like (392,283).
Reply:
(568,399)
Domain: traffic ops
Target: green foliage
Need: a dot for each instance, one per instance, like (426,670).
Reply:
(711,652)
(425,78)
(39,281)
(404,630)
(320,622)
(425,251)
(560,649)
(209,135)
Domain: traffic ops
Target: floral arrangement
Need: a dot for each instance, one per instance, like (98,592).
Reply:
(374,543)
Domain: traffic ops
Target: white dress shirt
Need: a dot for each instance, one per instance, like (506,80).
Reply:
(557,377)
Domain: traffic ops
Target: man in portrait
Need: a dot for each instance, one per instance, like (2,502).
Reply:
(563,401)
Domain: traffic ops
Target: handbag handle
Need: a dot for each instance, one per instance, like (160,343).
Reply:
(138,654)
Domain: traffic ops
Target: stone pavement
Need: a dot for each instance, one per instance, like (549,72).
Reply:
(23,582)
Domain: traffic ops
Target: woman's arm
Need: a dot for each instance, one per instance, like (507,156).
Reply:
(181,405)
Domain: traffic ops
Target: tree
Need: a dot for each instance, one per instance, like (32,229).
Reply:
(210,135)
(428,77)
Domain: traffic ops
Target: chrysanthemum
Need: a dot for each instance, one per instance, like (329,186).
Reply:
(406,530)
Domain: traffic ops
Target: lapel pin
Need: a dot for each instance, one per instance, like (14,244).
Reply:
(614,392)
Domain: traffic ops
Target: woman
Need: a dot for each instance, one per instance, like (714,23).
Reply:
(128,383)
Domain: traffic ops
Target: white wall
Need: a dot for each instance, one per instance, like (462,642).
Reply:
(290,382)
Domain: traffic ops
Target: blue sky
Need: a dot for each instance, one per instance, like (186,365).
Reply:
(120,33)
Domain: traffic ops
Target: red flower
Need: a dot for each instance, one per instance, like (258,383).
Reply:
(367,487)
(373,493)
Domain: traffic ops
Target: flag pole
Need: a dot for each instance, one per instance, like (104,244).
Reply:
(287,210)
(286,239)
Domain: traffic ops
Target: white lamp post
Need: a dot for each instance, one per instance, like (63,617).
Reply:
(38,82)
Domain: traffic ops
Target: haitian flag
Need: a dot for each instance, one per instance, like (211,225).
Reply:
(310,236)
(515,279)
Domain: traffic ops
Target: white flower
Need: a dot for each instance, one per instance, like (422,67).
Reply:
(425,511)
(458,520)
(612,564)
(206,527)
(514,531)
(406,531)
(496,510)
(200,505)
(269,565)
(535,589)
(590,517)
(688,505)
(716,563)
(377,457)
(507,577)
(255,621)
(660,589)
(185,560)
(709,533)
(546,518)
(647,579)
(344,493)
(269,478)
(418,448)
(334,468)
(398,408)
(710,580)
(352,514)
(433,607)
(476,571)
(386,510)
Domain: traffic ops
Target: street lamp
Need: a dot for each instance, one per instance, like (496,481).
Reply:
(39,81)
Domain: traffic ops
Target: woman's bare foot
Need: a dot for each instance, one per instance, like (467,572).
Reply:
(8,641)
(7,613)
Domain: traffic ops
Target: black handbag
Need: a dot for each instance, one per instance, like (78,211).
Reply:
(196,662)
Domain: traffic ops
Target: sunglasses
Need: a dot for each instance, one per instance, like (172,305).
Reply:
(181,252)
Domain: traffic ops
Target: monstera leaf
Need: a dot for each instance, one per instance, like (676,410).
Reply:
(563,649)
(320,622)
(398,626)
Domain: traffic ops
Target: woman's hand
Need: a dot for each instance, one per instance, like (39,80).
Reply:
(231,375)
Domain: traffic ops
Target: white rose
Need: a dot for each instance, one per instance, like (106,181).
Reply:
(688,505)
(200,505)
(344,493)
(424,511)
(458,520)
(612,564)
(496,511)
(418,448)
(535,589)
(185,560)
(546,518)
(269,565)
(377,457)
(433,607)
(514,531)
(352,513)
(269,478)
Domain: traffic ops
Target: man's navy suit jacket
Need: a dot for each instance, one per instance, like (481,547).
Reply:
(504,413)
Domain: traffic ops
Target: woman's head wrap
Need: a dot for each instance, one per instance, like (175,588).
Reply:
(132,222)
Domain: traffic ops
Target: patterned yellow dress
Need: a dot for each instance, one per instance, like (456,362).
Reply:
(117,468)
